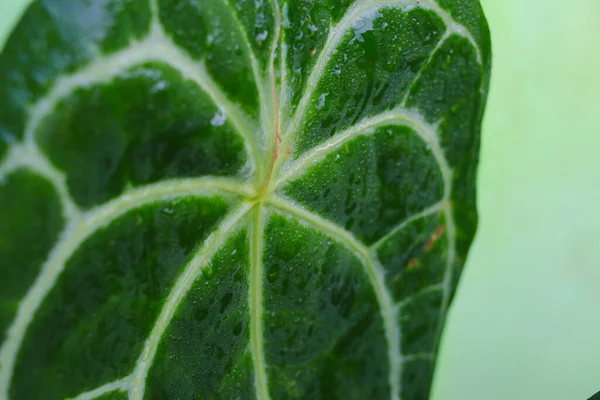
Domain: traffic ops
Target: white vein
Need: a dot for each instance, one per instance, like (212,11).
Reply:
(258,78)
(121,385)
(286,95)
(411,118)
(439,44)
(400,115)
(428,133)
(154,12)
(452,26)
(190,273)
(78,231)
(31,158)
(437,207)
(375,274)
(451,257)
(256,310)
(155,47)
(277,36)
(272,70)
(337,33)
(279,149)
(436,287)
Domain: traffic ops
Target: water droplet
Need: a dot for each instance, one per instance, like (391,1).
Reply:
(364,24)
(219,118)
(159,86)
(262,36)
(286,18)
(322,101)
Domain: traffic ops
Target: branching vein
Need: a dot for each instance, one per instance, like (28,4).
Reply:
(256,70)
(155,47)
(436,287)
(190,273)
(336,35)
(374,273)
(367,126)
(428,134)
(31,158)
(439,44)
(121,385)
(78,231)
(437,207)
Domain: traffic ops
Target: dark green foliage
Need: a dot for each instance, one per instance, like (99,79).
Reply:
(235,199)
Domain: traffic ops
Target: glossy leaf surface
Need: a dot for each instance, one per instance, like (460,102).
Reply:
(233,199)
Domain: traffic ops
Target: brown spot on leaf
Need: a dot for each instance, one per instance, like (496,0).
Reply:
(413,264)
(434,237)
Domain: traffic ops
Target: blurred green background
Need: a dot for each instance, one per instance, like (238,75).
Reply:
(526,321)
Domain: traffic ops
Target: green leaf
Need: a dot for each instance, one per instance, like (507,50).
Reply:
(235,199)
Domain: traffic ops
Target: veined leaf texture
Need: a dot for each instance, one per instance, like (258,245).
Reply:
(235,199)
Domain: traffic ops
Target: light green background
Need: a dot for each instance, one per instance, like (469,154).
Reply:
(526,321)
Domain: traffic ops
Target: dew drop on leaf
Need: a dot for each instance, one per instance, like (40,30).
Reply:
(219,118)
(168,211)
(262,36)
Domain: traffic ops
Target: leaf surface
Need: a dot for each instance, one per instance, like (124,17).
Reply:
(235,199)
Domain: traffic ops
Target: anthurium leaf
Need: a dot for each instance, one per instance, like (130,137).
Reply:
(235,199)
(595,397)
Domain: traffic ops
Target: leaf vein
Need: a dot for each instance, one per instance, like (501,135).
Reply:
(155,47)
(190,273)
(437,207)
(410,118)
(436,287)
(439,44)
(374,273)
(336,34)
(255,301)
(253,61)
(76,232)
(121,385)
(30,157)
